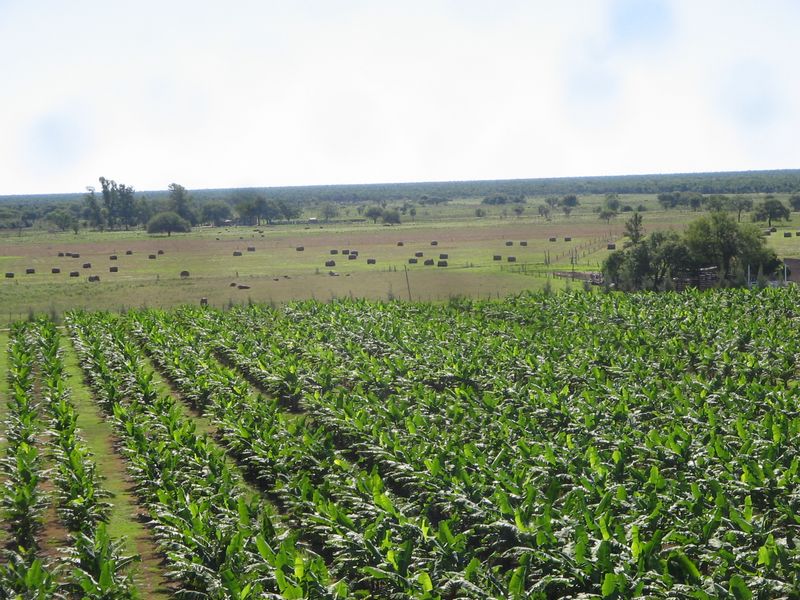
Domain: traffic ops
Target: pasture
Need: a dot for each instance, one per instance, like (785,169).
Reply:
(236,265)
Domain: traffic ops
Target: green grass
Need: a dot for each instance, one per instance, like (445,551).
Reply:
(3,407)
(123,521)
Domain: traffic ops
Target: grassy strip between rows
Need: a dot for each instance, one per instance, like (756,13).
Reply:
(123,518)
(3,407)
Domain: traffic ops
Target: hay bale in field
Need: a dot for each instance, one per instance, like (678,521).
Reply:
(184,274)
(93,278)
(352,256)
(60,254)
(251,248)
(567,238)
(9,276)
(509,243)
(353,252)
(434,243)
(497,257)
(418,254)
(237,253)
(128,252)
(611,247)
(330,263)
(151,256)
(30,271)
(334,251)
(160,252)
(428,262)
(412,261)
(55,270)
(797,233)
(76,255)
(523,243)
(444,256)
(370,261)
(203,301)
(346,252)
(400,244)
(87,265)
(552,239)
(787,234)
(242,286)
(74,274)
(441,263)
(113,269)
(300,248)
(512,259)
(112,257)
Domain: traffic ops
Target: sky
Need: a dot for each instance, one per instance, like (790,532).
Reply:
(251,93)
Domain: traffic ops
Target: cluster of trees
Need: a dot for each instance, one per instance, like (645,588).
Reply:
(390,216)
(499,199)
(715,240)
(566,203)
(254,208)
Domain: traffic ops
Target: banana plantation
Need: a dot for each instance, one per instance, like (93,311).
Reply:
(577,445)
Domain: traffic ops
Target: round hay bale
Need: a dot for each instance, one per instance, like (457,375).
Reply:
(151,256)
(76,255)
(9,276)
(354,252)
(428,262)
(523,243)
(55,270)
(497,257)
(509,243)
(512,259)
(444,256)
(434,243)
(552,239)
(787,234)
(87,265)
(203,301)
(300,248)
(346,252)
(60,254)
(418,254)
(611,247)
(567,239)
(113,269)
(160,252)
(352,256)
(400,243)
(334,251)
(412,261)
(237,253)
(30,271)
(74,274)
(128,252)
(441,263)
(330,263)
(93,278)
(797,233)
(242,286)
(113,257)
(184,274)
(370,261)
(251,248)
(773,229)
(68,254)
(233,284)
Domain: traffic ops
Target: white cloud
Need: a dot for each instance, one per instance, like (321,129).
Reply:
(273,93)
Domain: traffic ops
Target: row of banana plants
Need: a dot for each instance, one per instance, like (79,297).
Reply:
(380,543)
(218,541)
(23,572)
(98,569)
(606,408)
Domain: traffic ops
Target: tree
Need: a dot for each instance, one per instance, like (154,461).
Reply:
(374,213)
(544,211)
(612,202)
(570,200)
(61,219)
(741,204)
(794,202)
(480,212)
(518,210)
(216,212)
(607,214)
(167,222)
(180,203)
(769,209)
(634,229)
(413,213)
(329,211)
(391,216)
(93,211)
